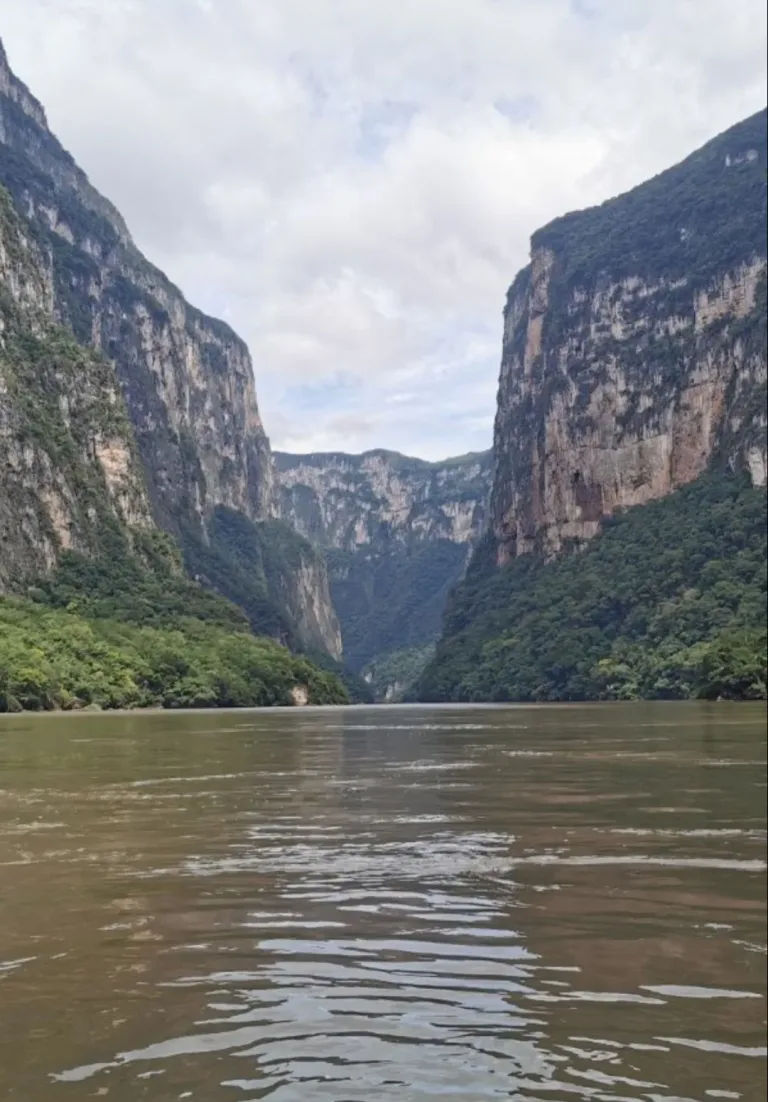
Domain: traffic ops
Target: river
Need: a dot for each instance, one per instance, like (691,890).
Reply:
(380,904)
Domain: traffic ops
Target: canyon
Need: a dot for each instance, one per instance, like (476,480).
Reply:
(632,378)
(397,534)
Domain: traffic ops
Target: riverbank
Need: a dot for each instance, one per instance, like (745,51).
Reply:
(56,660)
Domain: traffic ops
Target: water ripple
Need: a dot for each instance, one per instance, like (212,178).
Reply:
(395,905)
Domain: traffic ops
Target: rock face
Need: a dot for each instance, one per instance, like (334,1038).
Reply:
(187,379)
(634,349)
(308,600)
(348,502)
(397,533)
(192,440)
(68,463)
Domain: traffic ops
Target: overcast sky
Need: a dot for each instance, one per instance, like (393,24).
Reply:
(352,183)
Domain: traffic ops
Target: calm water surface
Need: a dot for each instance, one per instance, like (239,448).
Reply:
(384,904)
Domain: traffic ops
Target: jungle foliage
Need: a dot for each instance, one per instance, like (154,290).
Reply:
(667,602)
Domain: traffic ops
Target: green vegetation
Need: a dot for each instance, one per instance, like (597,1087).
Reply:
(667,602)
(121,606)
(60,399)
(143,586)
(693,222)
(65,408)
(127,629)
(242,561)
(43,365)
(392,600)
(255,566)
(53,659)
(357,688)
(392,676)
(383,519)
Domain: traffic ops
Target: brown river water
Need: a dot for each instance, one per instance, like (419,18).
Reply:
(380,904)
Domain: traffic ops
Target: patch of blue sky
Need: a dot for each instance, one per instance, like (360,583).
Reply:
(585,9)
(331,394)
(380,124)
(518,108)
(315,85)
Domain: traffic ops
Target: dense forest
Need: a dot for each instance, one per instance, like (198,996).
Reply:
(690,223)
(392,600)
(127,629)
(667,602)
(53,659)
(254,564)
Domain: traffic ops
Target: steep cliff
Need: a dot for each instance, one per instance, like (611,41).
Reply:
(68,464)
(633,378)
(185,380)
(634,348)
(109,619)
(277,578)
(397,533)
(348,502)
(668,601)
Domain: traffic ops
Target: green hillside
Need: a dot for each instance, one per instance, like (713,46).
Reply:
(56,659)
(667,602)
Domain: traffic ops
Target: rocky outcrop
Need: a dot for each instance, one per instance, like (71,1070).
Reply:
(379,498)
(634,349)
(397,533)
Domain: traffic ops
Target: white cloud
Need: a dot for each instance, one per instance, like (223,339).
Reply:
(353,185)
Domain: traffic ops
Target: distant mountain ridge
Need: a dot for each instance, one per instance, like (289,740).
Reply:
(396,532)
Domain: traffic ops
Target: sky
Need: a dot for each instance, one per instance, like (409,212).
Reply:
(352,184)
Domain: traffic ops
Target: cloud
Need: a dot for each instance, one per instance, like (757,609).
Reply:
(353,185)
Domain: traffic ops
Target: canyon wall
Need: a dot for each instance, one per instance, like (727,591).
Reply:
(630,428)
(192,439)
(634,349)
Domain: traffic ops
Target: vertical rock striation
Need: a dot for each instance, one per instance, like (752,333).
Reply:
(633,382)
(634,349)
(68,462)
(348,502)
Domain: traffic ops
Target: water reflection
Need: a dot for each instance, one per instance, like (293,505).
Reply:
(384,904)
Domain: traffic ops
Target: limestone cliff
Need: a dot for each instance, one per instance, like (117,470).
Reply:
(185,380)
(68,465)
(348,502)
(397,533)
(634,349)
